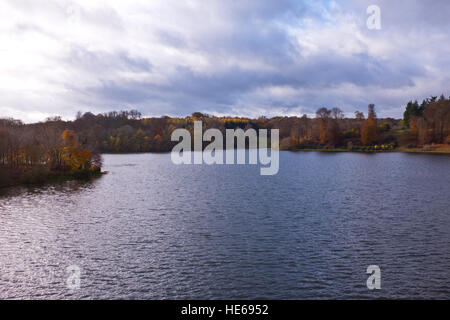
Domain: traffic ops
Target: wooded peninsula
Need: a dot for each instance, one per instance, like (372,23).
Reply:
(39,152)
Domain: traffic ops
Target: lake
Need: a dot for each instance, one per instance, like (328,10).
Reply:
(152,230)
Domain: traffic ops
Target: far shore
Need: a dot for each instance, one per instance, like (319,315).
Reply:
(445,150)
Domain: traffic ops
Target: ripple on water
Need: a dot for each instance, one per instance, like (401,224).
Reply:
(153,230)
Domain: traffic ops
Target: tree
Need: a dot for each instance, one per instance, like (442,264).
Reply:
(369,130)
(359,115)
(323,114)
(371,113)
(437,116)
(135,115)
(334,132)
(412,110)
(76,158)
(329,130)
(337,114)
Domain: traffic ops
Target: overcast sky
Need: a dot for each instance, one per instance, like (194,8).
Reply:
(222,57)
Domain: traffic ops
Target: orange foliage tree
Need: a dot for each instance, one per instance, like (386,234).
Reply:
(73,155)
(369,130)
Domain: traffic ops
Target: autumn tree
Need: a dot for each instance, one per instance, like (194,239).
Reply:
(76,158)
(329,130)
(334,131)
(369,130)
(323,114)
(437,117)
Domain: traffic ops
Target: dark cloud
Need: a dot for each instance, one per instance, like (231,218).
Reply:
(232,56)
(97,61)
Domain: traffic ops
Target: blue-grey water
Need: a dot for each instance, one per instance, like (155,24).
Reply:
(152,230)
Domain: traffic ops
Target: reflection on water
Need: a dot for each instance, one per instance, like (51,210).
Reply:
(150,229)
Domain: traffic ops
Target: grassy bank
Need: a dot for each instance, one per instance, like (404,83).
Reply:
(443,149)
(431,149)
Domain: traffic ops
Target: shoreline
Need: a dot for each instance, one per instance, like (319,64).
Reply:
(444,150)
(55,178)
(398,150)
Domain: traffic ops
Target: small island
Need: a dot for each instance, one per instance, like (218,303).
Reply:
(38,154)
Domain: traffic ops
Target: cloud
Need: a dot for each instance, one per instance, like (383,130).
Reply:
(247,58)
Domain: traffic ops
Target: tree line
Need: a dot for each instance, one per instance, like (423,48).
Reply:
(119,132)
(55,147)
(429,122)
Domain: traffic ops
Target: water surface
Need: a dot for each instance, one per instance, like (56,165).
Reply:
(153,230)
